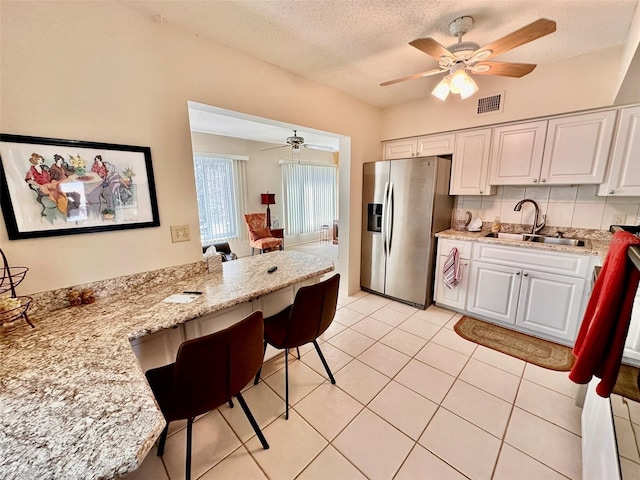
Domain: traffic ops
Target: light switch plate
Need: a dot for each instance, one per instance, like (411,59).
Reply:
(180,233)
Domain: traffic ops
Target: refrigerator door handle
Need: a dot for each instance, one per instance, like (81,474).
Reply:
(384,219)
(390,219)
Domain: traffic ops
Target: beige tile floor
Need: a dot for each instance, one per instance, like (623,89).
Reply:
(413,400)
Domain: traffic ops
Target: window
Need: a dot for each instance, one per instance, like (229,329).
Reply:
(310,193)
(220,186)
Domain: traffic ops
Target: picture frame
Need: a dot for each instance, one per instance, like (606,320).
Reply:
(51,187)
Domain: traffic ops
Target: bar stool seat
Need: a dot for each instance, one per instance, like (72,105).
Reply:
(207,373)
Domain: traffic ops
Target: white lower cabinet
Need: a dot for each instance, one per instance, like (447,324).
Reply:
(493,291)
(550,304)
(631,353)
(539,292)
(456,297)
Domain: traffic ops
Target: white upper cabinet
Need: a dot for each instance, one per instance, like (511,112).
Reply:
(420,147)
(560,151)
(516,153)
(436,145)
(623,177)
(405,148)
(470,166)
(577,148)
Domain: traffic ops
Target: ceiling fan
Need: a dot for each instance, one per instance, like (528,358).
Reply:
(463,58)
(295,142)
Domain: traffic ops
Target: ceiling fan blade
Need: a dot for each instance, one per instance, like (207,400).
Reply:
(503,69)
(273,148)
(432,48)
(527,34)
(414,76)
(318,147)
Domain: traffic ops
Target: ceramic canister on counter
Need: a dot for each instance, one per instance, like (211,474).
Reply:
(87,296)
(74,298)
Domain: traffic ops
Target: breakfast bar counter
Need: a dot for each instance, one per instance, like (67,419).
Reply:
(74,401)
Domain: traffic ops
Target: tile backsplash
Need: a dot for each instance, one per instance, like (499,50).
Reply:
(574,206)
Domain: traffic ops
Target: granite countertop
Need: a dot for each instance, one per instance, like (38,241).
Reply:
(600,240)
(74,402)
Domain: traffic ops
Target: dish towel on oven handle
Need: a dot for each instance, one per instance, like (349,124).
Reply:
(600,343)
(451,273)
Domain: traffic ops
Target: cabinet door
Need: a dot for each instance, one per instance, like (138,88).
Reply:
(436,145)
(451,297)
(493,291)
(577,148)
(624,171)
(470,167)
(550,304)
(632,344)
(405,148)
(516,153)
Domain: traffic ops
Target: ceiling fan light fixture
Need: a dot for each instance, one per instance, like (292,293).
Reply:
(469,88)
(443,88)
(458,77)
(461,82)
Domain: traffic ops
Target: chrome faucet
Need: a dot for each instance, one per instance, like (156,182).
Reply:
(535,228)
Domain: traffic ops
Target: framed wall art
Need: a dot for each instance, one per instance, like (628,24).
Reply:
(65,187)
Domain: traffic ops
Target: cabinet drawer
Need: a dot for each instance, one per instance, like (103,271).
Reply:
(464,248)
(542,261)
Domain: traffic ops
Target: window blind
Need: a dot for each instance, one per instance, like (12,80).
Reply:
(221,192)
(310,193)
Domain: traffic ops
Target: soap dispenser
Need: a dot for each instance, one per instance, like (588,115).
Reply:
(495,228)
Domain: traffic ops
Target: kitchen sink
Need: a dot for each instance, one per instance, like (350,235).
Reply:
(525,237)
(573,242)
(507,236)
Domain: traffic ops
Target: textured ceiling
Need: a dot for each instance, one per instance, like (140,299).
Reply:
(354,45)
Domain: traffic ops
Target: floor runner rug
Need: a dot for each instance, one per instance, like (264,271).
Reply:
(534,350)
(540,352)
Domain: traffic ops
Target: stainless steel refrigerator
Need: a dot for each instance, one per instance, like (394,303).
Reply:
(405,202)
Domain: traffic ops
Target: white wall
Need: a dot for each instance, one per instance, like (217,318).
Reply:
(565,206)
(264,173)
(578,83)
(95,71)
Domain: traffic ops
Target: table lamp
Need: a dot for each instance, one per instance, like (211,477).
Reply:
(268,199)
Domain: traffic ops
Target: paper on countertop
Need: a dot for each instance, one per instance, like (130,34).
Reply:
(180,298)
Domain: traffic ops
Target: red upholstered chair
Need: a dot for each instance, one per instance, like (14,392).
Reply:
(207,373)
(259,235)
(303,322)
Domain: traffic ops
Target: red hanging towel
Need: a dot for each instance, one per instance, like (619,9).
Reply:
(600,343)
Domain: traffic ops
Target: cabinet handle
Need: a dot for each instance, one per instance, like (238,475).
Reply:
(611,192)
(480,191)
(526,274)
(535,180)
(517,273)
(543,180)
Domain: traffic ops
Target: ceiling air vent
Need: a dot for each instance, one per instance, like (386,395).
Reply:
(491,104)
